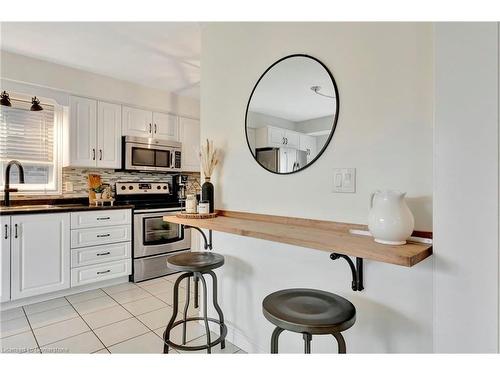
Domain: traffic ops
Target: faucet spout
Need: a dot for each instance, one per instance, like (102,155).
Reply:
(7,189)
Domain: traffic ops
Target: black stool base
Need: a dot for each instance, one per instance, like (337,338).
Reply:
(307,341)
(198,277)
(219,340)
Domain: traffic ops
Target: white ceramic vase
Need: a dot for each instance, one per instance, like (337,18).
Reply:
(390,221)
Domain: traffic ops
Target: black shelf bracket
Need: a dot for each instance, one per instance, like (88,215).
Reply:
(208,242)
(356,270)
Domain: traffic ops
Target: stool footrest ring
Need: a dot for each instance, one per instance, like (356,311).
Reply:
(200,347)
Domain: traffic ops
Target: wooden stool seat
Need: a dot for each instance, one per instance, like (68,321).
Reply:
(195,261)
(310,312)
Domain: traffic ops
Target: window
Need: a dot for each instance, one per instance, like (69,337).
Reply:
(31,138)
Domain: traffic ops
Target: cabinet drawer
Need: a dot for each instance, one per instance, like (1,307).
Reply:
(100,254)
(90,219)
(99,272)
(100,236)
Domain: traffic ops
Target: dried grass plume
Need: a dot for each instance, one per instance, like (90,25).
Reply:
(209,158)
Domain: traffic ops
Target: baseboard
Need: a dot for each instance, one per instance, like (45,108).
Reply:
(61,293)
(238,338)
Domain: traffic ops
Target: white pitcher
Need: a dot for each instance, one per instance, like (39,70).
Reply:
(390,221)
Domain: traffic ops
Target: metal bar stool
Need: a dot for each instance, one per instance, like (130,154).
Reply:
(310,312)
(195,264)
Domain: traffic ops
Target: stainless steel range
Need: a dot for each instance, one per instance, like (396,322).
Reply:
(154,239)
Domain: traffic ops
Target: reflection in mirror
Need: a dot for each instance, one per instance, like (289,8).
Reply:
(291,114)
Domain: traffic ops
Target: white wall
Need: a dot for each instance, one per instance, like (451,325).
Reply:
(384,74)
(315,125)
(259,120)
(17,69)
(466,187)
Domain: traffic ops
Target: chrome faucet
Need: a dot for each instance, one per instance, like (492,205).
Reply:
(7,189)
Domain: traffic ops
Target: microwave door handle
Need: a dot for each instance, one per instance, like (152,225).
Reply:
(172,159)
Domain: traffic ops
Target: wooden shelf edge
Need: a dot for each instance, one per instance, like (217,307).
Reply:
(328,236)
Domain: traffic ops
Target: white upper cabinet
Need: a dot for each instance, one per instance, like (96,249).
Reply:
(307,143)
(142,123)
(137,122)
(109,132)
(165,126)
(40,251)
(189,131)
(94,133)
(82,132)
(5,259)
(270,136)
(292,139)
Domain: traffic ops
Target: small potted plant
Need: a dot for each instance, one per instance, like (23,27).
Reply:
(98,191)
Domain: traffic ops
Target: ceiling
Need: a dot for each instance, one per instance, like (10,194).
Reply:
(161,55)
(285,91)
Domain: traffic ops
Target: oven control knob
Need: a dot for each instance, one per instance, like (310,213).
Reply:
(123,187)
(130,187)
(158,187)
(165,187)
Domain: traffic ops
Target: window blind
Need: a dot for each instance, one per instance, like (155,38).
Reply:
(26,135)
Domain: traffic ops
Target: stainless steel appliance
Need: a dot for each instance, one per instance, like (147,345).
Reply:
(154,239)
(281,159)
(148,154)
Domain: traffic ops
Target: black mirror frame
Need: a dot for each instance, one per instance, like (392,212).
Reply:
(335,119)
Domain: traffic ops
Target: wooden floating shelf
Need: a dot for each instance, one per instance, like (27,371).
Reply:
(322,235)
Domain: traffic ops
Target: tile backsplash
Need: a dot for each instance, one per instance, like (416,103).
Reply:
(74,180)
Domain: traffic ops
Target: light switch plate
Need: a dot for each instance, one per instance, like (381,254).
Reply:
(344,180)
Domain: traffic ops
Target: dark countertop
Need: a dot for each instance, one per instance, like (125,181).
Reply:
(40,206)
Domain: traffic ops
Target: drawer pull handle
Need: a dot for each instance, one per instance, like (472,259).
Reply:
(101,272)
(103,218)
(106,253)
(103,235)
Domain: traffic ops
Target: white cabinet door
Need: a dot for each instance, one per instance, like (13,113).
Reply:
(291,139)
(190,138)
(5,259)
(307,143)
(82,132)
(137,122)
(109,133)
(165,126)
(275,136)
(40,251)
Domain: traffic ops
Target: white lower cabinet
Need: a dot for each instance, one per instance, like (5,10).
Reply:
(101,246)
(45,253)
(40,254)
(99,236)
(5,259)
(100,272)
(86,256)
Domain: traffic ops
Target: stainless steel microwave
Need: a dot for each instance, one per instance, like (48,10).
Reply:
(148,154)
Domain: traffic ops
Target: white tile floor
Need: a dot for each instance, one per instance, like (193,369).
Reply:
(124,318)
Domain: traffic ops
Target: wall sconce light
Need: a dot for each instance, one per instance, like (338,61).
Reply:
(5,99)
(35,104)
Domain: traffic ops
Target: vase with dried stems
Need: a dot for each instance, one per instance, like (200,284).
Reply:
(209,159)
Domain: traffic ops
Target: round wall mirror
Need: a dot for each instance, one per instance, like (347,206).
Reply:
(291,114)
